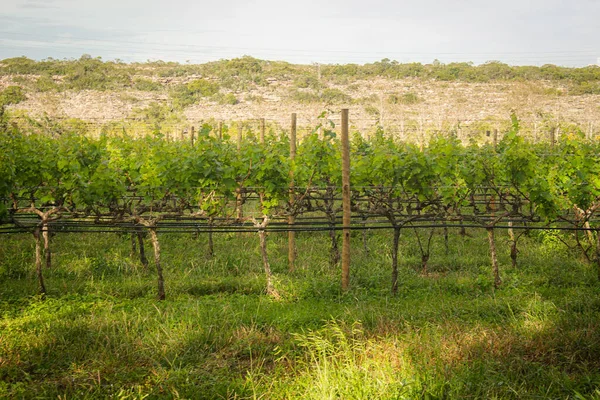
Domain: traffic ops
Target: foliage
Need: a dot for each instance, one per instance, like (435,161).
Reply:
(11,95)
(100,333)
(158,116)
(228,98)
(146,85)
(406,98)
(242,73)
(190,93)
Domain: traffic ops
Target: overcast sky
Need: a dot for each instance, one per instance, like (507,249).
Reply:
(517,32)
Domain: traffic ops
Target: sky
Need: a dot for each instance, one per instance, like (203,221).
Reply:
(517,32)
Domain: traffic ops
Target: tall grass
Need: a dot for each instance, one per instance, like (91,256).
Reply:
(447,334)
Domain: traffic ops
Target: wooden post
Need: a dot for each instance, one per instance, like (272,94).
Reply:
(345,201)
(220,130)
(181,134)
(192,136)
(291,218)
(262,131)
(495,138)
(239,135)
(552,137)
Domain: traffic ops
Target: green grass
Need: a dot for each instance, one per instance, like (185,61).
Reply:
(448,334)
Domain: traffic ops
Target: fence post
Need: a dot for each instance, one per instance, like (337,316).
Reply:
(345,201)
(220,130)
(291,218)
(192,136)
(262,131)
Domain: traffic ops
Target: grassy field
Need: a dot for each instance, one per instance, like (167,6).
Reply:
(448,334)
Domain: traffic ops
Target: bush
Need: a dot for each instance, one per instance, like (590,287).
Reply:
(45,83)
(93,74)
(304,97)
(585,88)
(228,98)
(202,87)
(372,111)
(192,92)
(146,85)
(405,98)
(305,82)
(330,95)
(11,95)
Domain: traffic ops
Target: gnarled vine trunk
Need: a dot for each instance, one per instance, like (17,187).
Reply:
(143,258)
(513,245)
(598,252)
(47,252)
(211,247)
(159,271)
(395,246)
(494,257)
(262,234)
(38,260)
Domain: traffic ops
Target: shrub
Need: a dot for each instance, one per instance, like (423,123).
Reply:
(372,110)
(406,98)
(228,98)
(202,87)
(304,96)
(192,92)
(11,95)
(307,81)
(146,85)
(45,83)
(332,95)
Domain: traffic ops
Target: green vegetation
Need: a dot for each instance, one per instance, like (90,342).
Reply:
(327,96)
(447,334)
(11,95)
(190,93)
(406,98)
(158,116)
(236,322)
(228,98)
(245,72)
(146,85)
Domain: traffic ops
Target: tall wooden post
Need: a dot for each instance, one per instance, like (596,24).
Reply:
(495,138)
(262,131)
(220,130)
(192,138)
(291,218)
(181,133)
(345,201)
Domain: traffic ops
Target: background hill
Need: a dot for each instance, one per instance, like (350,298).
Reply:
(412,101)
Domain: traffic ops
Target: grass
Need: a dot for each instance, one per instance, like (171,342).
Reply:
(101,333)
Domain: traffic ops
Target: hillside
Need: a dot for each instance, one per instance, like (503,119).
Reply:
(412,101)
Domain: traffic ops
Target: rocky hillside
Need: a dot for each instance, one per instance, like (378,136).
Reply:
(411,101)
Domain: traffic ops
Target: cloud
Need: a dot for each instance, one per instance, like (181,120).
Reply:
(37,5)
